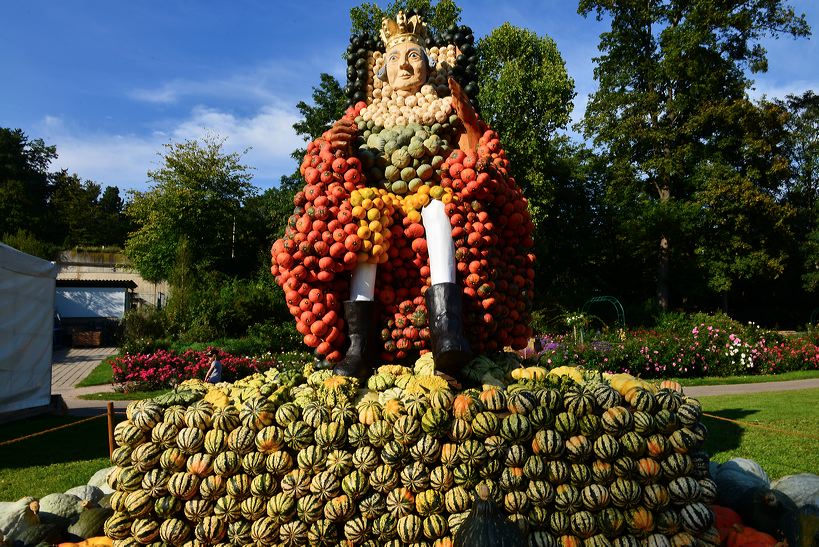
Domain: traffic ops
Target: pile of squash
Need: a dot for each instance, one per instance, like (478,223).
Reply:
(74,517)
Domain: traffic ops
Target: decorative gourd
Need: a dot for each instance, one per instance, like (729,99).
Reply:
(16,517)
(64,509)
(485,526)
(91,522)
(99,541)
(100,480)
(803,488)
(86,492)
(735,478)
(743,536)
(772,512)
(40,534)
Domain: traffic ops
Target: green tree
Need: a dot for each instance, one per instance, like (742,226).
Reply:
(197,193)
(366,18)
(670,74)
(74,210)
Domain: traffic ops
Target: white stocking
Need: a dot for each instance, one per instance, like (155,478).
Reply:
(440,246)
(362,285)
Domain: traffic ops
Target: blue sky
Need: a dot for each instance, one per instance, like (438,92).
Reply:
(110,82)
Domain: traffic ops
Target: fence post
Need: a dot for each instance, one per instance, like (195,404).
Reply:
(110,428)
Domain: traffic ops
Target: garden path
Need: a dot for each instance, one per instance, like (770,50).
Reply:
(69,367)
(735,389)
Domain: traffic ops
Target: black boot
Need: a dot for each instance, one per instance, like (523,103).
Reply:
(361,318)
(449,347)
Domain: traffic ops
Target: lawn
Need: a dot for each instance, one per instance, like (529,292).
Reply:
(100,376)
(780,430)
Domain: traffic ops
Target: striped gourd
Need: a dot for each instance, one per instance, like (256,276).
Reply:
(516,501)
(212,487)
(139,503)
(253,508)
(369,411)
(310,508)
(625,493)
(611,521)
(606,447)
(173,459)
(579,402)
(167,506)
(689,414)
(457,500)
(400,501)
(145,530)
(465,406)
(199,464)
(434,527)
(406,430)
(257,412)
(594,497)
(297,435)
(393,453)
(414,477)
(550,398)
(339,462)
(339,509)
(541,418)
(567,424)
(215,441)
(534,468)
(602,472)
(122,454)
(383,479)
(326,485)
(459,430)
(409,528)
(655,496)
(455,521)
(590,425)
(633,444)
(263,531)
(117,500)
(427,450)
(597,540)
(516,428)
(295,483)
(164,434)
(190,440)
(263,485)
(495,446)
(548,444)
(541,538)
(392,410)
(640,399)
(606,396)
(485,425)
(379,433)
(227,463)
(583,524)
(238,486)
(355,530)
(441,478)
(668,522)
(540,493)
(639,521)
(269,439)
(492,469)
(580,475)
(559,523)
(331,435)
(441,398)
(174,531)
(254,463)
(279,463)
(183,485)
(666,421)
(684,490)
(280,507)
(225,419)
(515,456)
(344,413)
(365,459)
(626,540)
(127,434)
(146,415)
(521,402)
(312,459)
(323,532)
(668,399)
(578,448)
(196,509)
(129,479)
(199,415)
(472,452)
(242,440)
(657,446)
(429,502)
(146,456)
(557,471)
(683,440)
(238,533)
(617,420)
(648,470)
(315,413)
(355,484)
(659,540)
(435,421)
(511,478)
(643,423)
(286,414)
(677,465)
(708,491)
(174,414)
(567,498)
(493,398)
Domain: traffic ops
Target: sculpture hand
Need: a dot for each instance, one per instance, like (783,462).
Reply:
(466,112)
(341,134)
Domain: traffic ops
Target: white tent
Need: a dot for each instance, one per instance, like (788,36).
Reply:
(26,329)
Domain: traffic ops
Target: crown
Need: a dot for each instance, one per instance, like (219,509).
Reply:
(403,29)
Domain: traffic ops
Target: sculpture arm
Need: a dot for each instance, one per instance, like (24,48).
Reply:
(473,127)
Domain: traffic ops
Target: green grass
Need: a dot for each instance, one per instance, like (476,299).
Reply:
(100,376)
(755,379)
(118,396)
(782,452)
(53,462)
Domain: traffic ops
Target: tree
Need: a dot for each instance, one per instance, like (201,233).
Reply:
(74,209)
(366,18)
(670,76)
(198,193)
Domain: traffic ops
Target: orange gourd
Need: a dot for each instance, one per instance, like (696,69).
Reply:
(744,536)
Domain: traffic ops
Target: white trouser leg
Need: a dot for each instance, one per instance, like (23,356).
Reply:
(440,246)
(362,285)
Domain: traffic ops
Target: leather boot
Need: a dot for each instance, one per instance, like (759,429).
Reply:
(450,348)
(361,318)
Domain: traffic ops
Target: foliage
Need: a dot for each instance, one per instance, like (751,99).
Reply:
(366,18)
(197,194)
(671,100)
(329,105)
(24,241)
(24,182)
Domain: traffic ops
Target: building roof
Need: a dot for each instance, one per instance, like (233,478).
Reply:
(111,283)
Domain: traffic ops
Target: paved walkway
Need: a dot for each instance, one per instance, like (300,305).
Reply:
(70,366)
(734,389)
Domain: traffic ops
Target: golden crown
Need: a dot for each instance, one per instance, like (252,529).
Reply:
(403,29)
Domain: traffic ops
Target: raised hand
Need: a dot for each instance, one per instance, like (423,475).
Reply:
(341,134)
(466,112)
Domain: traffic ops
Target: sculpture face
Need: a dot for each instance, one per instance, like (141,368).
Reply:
(406,67)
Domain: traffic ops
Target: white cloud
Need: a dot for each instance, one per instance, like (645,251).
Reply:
(780,90)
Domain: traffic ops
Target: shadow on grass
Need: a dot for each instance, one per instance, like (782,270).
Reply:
(84,441)
(724,436)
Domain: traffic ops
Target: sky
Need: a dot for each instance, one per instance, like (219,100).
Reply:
(109,83)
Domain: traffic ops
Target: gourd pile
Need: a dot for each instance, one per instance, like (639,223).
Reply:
(572,458)
(366,208)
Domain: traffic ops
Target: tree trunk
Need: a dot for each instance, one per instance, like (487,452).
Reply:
(662,273)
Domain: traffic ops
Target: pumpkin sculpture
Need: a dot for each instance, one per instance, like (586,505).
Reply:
(410,234)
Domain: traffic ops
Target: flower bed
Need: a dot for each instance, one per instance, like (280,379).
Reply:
(165,368)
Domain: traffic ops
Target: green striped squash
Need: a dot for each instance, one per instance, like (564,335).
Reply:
(516,501)
(684,490)
(541,418)
(254,463)
(640,399)
(312,459)
(167,506)
(606,447)
(540,493)
(485,424)
(383,479)
(625,467)
(128,479)
(339,509)
(602,472)
(406,430)
(225,419)
(287,413)
(365,459)
(196,509)
(380,382)
(164,434)
(331,435)
(457,500)
(175,414)
(269,439)
(117,500)
(429,502)
(557,471)
(648,470)
(415,477)
(493,398)
(659,540)
(199,464)
(339,462)
(666,421)
(190,440)
(400,501)
(310,508)
(559,523)
(127,434)
(583,524)
(427,450)
(441,399)
(580,475)
(379,433)
(657,446)
(617,420)
(145,530)
(393,453)
(550,398)
(139,503)
(472,452)
(459,430)
(173,459)
(668,399)
(227,463)
(708,491)
(280,507)
(315,413)
(625,493)
(511,478)
(548,444)
(515,456)
(594,497)
(495,445)
(689,414)
(296,483)
(264,531)
(242,440)
(199,415)
(626,541)
(606,396)
(297,435)
(567,424)
(434,527)
(435,421)
(355,484)
(215,441)
(326,485)
(677,465)
(521,402)
(212,487)
(253,508)
(174,531)
(655,496)
(155,482)
(611,521)
(355,530)
(590,425)
(147,414)
(579,402)
(263,485)
(293,533)
(441,478)
(682,441)
(122,454)
(257,412)
(578,448)
(409,528)
(516,428)
(323,532)
(534,468)
(633,444)
(567,498)
(279,463)
(668,522)
(538,518)
(639,521)
(238,533)
(238,486)
(344,413)
(643,423)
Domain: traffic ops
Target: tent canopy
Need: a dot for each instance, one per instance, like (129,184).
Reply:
(26,329)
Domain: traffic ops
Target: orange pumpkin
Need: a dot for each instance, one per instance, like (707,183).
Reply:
(744,536)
